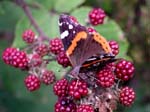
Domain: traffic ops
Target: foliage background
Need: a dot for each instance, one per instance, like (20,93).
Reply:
(133,18)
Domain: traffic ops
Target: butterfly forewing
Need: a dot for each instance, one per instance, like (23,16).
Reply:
(79,45)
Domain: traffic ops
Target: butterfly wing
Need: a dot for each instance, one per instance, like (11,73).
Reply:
(78,43)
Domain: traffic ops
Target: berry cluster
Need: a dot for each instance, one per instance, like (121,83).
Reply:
(15,58)
(90,90)
(34,59)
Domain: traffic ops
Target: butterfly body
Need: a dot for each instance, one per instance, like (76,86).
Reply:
(85,50)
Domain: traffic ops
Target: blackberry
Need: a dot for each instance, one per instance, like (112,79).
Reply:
(105,77)
(124,70)
(56,46)
(85,108)
(127,96)
(65,105)
(28,36)
(114,47)
(42,50)
(32,82)
(48,77)
(63,60)
(15,58)
(60,88)
(78,89)
(96,16)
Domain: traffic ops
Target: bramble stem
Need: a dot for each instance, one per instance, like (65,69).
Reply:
(28,13)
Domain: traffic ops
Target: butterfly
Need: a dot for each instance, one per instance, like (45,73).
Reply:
(85,50)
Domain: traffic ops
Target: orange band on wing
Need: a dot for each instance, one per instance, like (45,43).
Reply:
(78,37)
(103,42)
(96,61)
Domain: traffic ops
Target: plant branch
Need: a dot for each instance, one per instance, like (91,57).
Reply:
(27,11)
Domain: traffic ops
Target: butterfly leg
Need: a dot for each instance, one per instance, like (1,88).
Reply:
(75,71)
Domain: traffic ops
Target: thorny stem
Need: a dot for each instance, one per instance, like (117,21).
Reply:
(49,60)
(27,11)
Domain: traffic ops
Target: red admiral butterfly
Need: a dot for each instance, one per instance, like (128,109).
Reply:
(85,50)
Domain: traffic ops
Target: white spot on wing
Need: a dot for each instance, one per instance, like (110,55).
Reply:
(102,56)
(74,32)
(64,34)
(91,59)
(70,26)
(60,23)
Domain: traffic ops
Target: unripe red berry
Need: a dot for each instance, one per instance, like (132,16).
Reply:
(111,66)
(65,105)
(48,77)
(96,16)
(32,82)
(114,47)
(28,36)
(63,60)
(91,30)
(124,70)
(85,108)
(105,77)
(56,46)
(35,60)
(78,89)
(127,96)
(60,88)
(42,50)
(74,19)
(6,56)
(15,58)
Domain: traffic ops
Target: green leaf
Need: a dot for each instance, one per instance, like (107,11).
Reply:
(48,4)
(58,69)
(9,17)
(14,93)
(43,19)
(112,31)
(54,29)
(81,14)
(67,6)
